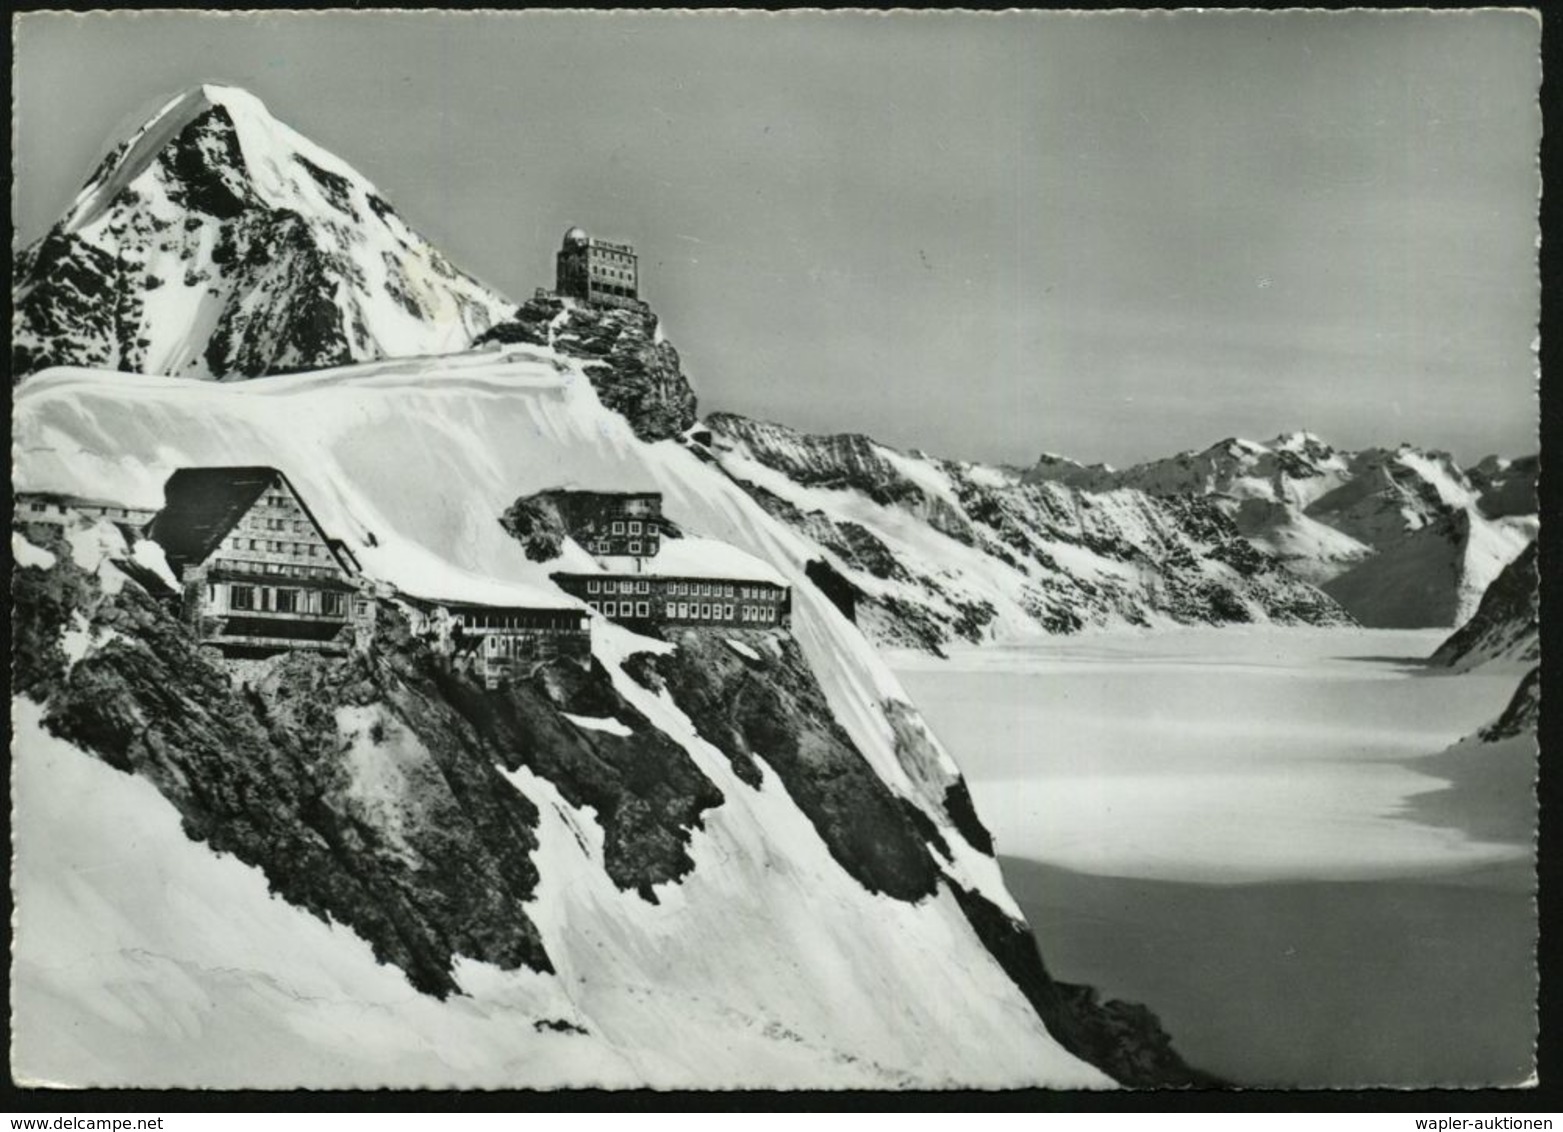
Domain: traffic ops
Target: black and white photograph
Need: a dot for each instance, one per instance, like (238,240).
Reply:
(815,550)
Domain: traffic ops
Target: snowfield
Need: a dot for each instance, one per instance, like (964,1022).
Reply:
(144,959)
(1214,755)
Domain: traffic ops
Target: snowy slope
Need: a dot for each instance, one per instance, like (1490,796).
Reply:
(1308,548)
(771,963)
(939,551)
(218,242)
(1433,577)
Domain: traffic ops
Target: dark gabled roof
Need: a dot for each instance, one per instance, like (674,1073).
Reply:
(201,505)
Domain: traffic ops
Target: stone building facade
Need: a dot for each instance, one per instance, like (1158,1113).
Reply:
(598,271)
(259,575)
(656,599)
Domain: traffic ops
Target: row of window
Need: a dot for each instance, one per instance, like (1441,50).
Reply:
(540,620)
(275,546)
(39,507)
(269,599)
(623,585)
(602,546)
(622,608)
(244,566)
(297,526)
(634,527)
(680,589)
(688,611)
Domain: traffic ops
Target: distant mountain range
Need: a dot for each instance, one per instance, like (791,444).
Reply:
(1402,537)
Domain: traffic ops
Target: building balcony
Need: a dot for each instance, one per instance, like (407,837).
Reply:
(279,615)
(247,643)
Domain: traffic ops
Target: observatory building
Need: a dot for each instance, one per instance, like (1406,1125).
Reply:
(598,271)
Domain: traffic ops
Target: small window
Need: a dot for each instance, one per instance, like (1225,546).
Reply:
(635,546)
(645,587)
(333,604)
(610,608)
(672,610)
(635,527)
(618,527)
(242,597)
(705,611)
(593,587)
(287,601)
(683,609)
(642,609)
(596,606)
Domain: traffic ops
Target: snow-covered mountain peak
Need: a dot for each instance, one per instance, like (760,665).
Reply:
(1308,445)
(217,241)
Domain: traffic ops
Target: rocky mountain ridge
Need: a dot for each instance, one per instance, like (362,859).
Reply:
(936,552)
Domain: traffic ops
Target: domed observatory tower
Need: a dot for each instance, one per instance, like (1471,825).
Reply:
(598,271)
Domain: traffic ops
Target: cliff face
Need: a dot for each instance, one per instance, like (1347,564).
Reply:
(634,370)
(938,552)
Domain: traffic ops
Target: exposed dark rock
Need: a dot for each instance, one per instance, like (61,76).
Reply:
(775,712)
(634,372)
(1124,1040)
(958,804)
(337,188)
(195,163)
(534,521)
(834,585)
(647,793)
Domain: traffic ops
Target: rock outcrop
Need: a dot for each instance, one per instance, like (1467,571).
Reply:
(633,368)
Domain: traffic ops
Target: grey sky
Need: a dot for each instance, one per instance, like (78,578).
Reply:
(1108,236)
